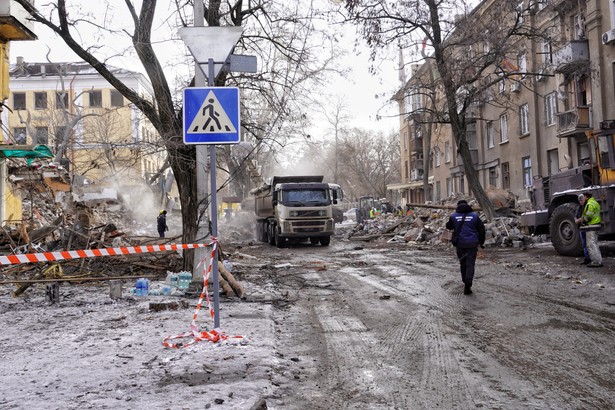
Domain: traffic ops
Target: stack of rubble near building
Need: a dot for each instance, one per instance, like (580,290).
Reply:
(426,224)
(57,216)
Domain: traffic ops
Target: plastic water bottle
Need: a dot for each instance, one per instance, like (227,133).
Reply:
(142,288)
(227,265)
(184,280)
(174,280)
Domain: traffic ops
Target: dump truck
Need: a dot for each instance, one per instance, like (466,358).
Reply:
(555,198)
(294,209)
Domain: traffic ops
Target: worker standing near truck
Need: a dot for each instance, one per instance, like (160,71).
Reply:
(582,232)
(591,223)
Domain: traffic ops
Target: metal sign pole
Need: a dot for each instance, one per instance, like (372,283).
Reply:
(214,210)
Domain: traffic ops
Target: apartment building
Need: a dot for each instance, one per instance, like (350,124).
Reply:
(92,129)
(529,122)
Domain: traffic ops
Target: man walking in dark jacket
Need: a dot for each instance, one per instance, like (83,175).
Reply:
(468,234)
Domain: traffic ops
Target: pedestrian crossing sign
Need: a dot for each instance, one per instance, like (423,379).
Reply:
(211,115)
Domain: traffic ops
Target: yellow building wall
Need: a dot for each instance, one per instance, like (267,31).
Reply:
(12,203)
(4,70)
(98,146)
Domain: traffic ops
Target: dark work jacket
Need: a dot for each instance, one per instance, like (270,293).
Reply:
(472,232)
(162,223)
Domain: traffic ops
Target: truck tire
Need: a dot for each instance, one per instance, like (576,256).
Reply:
(325,241)
(271,228)
(280,242)
(564,232)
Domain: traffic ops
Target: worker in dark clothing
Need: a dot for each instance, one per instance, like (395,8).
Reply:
(468,235)
(162,223)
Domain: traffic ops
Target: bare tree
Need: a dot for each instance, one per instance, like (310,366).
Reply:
(369,161)
(460,70)
(280,38)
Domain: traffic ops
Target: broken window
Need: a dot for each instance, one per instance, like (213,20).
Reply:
(42,135)
(19,101)
(19,134)
(95,98)
(40,101)
(117,99)
(61,100)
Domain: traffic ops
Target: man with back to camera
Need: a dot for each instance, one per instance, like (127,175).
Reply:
(468,234)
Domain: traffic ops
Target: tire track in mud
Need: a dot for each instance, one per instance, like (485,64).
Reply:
(471,376)
(554,342)
(416,353)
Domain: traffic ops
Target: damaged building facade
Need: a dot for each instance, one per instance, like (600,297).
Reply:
(101,143)
(544,92)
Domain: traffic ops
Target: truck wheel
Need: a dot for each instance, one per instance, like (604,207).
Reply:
(280,242)
(564,231)
(325,241)
(270,234)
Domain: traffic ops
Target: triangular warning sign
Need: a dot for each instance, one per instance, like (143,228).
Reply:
(211,118)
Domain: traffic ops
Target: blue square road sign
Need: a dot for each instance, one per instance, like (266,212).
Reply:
(211,115)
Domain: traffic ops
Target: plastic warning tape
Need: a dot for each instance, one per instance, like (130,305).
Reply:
(93,253)
(214,335)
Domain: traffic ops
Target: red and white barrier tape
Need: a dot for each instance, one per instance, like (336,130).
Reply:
(214,335)
(93,253)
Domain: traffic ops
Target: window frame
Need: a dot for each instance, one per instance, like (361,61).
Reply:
(113,94)
(61,100)
(24,104)
(504,137)
(526,167)
(490,134)
(550,101)
(37,136)
(95,96)
(524,120)
(40,100)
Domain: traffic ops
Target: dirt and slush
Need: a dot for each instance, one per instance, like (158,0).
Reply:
(355,325)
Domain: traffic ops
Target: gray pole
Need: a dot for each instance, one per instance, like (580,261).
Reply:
(213,206)
(200,254)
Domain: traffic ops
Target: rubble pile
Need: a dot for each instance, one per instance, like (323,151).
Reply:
(60,221)
(426,224)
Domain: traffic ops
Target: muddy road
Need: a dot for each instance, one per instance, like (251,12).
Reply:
(350,326)
(386,326)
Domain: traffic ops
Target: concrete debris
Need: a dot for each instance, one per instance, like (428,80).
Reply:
(426,224)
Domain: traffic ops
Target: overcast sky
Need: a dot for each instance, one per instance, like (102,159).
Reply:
(359,89)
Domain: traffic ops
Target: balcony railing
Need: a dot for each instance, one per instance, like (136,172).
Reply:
(572,57)
(570,123)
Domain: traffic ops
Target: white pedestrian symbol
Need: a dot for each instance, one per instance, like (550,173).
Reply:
(211,118)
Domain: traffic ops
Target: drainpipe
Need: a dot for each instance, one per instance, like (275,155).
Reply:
(537,108)
(71,103)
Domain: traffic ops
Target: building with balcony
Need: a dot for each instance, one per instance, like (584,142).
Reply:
(544,93)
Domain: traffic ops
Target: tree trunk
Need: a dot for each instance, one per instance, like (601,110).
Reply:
(182,160)
(472,176)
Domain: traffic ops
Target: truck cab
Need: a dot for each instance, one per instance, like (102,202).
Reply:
(295,208)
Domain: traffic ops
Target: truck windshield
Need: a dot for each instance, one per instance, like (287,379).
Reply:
(305,197)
